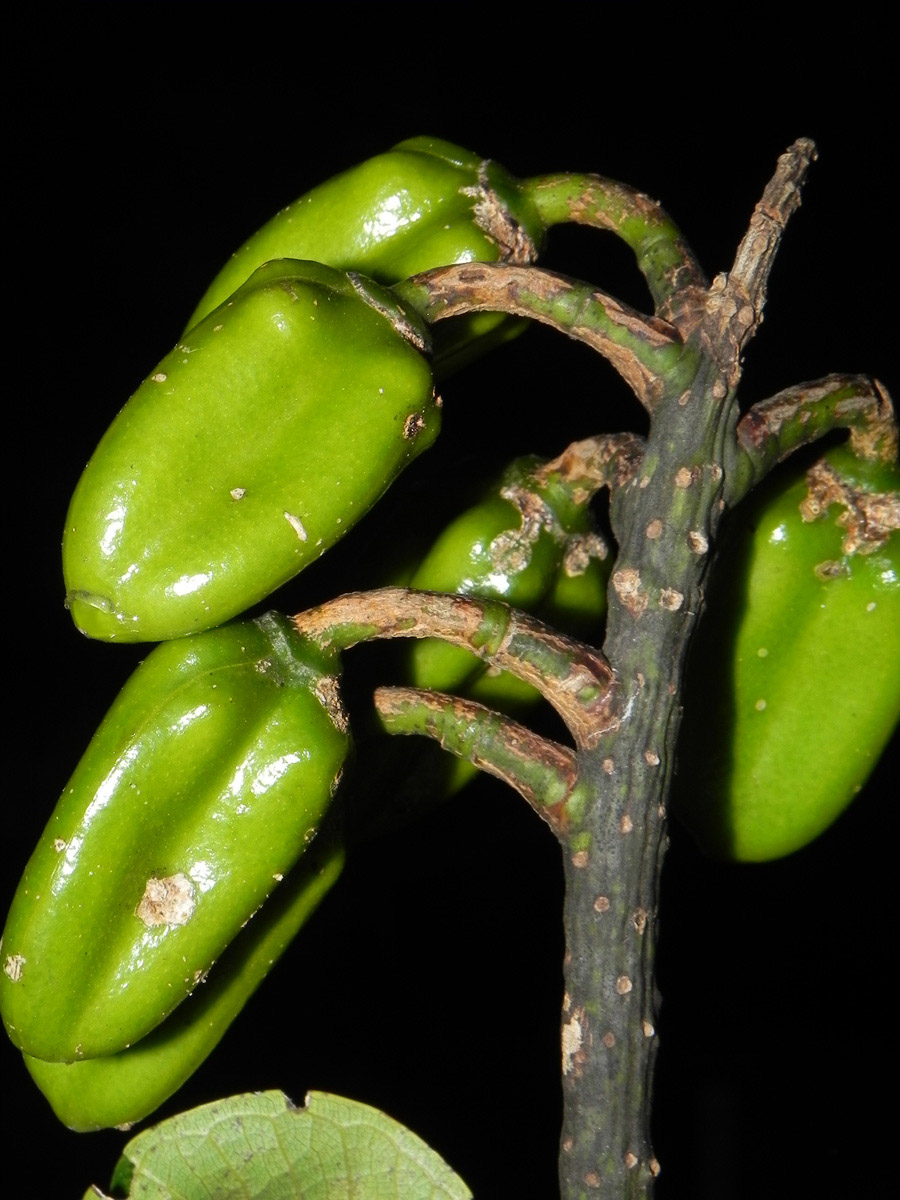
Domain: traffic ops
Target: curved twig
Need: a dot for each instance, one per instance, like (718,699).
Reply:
(663,257)
(575,679)
(542,771)
(644,350)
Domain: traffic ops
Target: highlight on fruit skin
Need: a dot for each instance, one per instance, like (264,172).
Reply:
(792,690)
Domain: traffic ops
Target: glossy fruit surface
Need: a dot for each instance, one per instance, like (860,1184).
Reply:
(425,203)
(254,446)
(120,1089)
(793,689)
(526,542)
(205,783)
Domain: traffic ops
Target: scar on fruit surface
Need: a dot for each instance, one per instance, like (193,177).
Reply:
(168,901)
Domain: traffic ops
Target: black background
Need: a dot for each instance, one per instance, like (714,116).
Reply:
(147,141)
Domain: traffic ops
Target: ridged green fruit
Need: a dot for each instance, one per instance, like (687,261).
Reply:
(793,688)
(254,446)
(203,786)
(120,1089)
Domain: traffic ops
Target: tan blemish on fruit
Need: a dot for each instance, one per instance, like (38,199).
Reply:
(627,584)
(601,904)
(297,525)
(831,569)
(168,901)
(413,425)
(13,967)
(760,705)
(698,543)
(59,845)
(238,493)
(670,599)
(623,985)
(159,377)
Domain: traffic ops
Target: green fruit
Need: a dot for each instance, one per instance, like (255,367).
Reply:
(525,542)
(793,688)
(120,1089)
(425,203)
(205,783)
(254,446)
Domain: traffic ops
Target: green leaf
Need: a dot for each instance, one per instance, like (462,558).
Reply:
(261,1146)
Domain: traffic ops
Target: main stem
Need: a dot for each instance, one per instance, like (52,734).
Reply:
(665,520)
(613,854)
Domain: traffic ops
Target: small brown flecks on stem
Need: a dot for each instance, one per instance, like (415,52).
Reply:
(698,543)
(623,985)
(647,1029)
(626,824)
(631,1160)
(328,693)
(601,904)
(654,529)
(654,1166)
(670,599)
(495,219)
(592,1179)
(627,585)
(573,1035)
(609,1039)
(639,919)
(567,1145)
(684,398)
(685,476)
(608,766)
(651,758)
(580,858)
